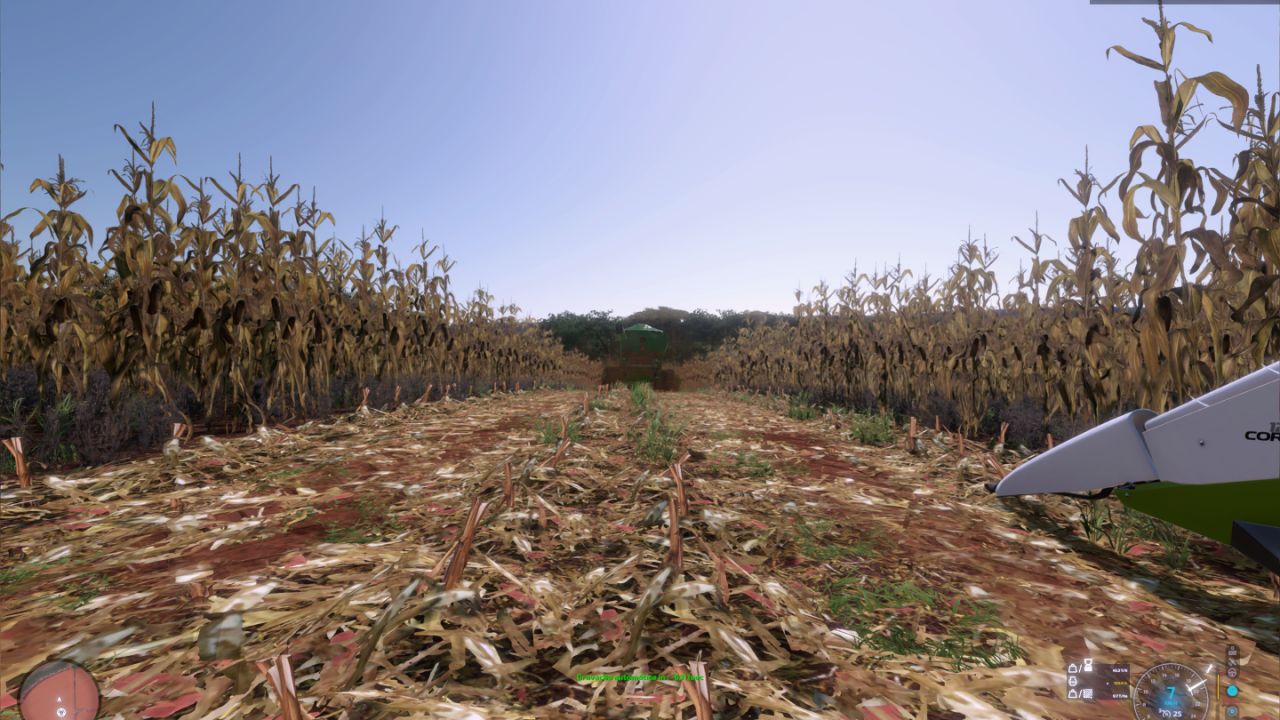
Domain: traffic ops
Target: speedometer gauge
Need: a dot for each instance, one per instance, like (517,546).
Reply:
(1171,691)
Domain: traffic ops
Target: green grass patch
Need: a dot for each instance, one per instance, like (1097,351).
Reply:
(814,542)
(85,591)
(656,442)
(753,466)
(642,396)
(774,403)
(273,477)
(18,422)
(1122,528)
(889,615)
(851,599)
(13,578)
(871,429)
(549,431)
(353,535)
(60,426)
(375,523)
(740,465)
(799,408)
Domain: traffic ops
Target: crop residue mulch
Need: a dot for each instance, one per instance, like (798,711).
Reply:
(328,546)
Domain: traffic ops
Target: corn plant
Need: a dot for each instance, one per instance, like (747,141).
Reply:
(220,288)
(1080,336)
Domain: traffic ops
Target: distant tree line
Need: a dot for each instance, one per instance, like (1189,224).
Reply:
(690,334)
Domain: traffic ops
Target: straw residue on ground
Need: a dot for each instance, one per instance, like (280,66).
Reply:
(472,559)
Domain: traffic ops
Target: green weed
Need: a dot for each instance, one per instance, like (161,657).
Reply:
(642,396)
(1092,516)
(1177,551)
(1121,529)
(753,466)
(742,464)
(1175,542)
(656,443)
(851,598)
(12,578)
(967,649)
(374,524)
(812,541)
(549,431)
(889,615)
(871,429)
(17,422)
(799,408)
(273,477)
(59,427)
(90,588)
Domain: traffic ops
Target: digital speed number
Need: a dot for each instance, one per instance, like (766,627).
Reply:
(1171,691)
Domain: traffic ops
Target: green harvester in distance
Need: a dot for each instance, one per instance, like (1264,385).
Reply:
(638,359)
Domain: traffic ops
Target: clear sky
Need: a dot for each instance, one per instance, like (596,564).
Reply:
(617,155)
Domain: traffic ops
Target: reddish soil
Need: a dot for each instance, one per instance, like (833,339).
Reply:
(247,557)
(462,445)
(828,466)
(794,439)
(903,518)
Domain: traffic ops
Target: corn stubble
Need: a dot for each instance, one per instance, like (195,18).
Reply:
(1081,336)
(561,572)
(241,304)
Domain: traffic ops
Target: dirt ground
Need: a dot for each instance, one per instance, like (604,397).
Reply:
(810,577)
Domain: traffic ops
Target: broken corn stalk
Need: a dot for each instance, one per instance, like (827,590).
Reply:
(14,446)
(508,486)
(459,561)
(682,497)
(699,691)
(676,555)
(280,676)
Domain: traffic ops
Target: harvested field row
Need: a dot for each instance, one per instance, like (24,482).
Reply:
(473,559)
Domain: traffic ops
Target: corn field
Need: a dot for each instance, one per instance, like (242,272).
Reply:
(622,553)
(1082,336)
(221,289)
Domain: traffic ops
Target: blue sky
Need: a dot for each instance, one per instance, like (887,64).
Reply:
(618,155)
